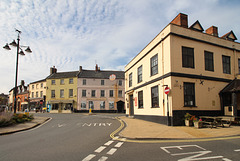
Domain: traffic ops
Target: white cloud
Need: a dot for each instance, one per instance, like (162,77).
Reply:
(70,33)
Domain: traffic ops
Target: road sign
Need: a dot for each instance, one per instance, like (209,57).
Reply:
(112,77)
(167,90)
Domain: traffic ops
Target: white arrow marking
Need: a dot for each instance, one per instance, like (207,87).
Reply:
(59,125)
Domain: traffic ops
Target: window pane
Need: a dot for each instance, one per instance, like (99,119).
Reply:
(130,80)
(71,81)
(102,93)
(70,92)
(102,82)
(189,94)
(208,61)
(91,105)
(111,93)
(93,93)
(61,93)
(154,95)
(52,93)
(111,104)
(140,99)
(84,81)
(83,105)
(119,93)
(120,82)
(154,65)
(102,105)
(83,93)
(226,64)
(62,81)
(140,74)
(187,57)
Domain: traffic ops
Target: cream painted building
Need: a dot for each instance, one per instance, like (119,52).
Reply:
(61,91)
(200,68)
(37,94)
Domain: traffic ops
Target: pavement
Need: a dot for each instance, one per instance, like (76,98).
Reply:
(37,121)
(140,129)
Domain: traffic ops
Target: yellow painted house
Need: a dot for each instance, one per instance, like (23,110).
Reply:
(61,92)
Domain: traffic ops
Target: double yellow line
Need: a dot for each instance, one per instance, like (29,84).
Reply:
(119,129)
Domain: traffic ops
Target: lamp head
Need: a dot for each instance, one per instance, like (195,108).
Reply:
(21,53)
(13,43)
(7,47)
(28,49)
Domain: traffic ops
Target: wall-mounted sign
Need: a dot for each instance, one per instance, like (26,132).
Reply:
(112,77)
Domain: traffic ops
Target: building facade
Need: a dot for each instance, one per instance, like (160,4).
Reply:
(37,94)
(61,91)
(199,68)
(100,90)
(21,99)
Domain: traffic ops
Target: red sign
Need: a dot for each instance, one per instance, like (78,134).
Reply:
(167,90)
(135,99)
(112,77)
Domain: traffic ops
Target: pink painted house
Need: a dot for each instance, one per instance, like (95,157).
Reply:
(100,90)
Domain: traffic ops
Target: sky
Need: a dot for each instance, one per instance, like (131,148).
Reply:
(72,33)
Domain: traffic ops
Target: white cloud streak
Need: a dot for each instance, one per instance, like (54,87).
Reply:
(70,33)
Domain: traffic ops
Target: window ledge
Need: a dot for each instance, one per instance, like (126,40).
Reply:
(191,106)
(155,107)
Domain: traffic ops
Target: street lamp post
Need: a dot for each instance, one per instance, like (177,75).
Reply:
(18,53)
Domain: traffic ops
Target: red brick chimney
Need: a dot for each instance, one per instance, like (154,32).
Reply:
(53,70)
(181,20)
(213,30)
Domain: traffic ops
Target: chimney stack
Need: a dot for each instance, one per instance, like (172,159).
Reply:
(96,68)
(22,82)
(53,70)
(213,30)
(80,68)
(181,20)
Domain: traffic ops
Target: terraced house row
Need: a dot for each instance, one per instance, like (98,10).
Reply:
(77,91)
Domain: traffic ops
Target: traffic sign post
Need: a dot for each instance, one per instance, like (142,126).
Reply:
(167,90)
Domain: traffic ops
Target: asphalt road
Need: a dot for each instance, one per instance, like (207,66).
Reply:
(77,137)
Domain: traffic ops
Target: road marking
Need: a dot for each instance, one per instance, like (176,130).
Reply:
(194,152)
(61,125)
(89,157)
(112,151)
(118,145)
(103,158)
(108,143)
(100,149)
(94,124)
(226,159)
(237,150)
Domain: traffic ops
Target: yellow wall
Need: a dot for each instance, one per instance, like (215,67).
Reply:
(66,86)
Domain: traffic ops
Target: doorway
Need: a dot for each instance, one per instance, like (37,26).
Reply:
(120,107)
(131,108)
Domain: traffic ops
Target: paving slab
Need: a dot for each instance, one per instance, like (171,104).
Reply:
(140,129)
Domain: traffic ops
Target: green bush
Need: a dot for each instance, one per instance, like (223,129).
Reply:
(20,118)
